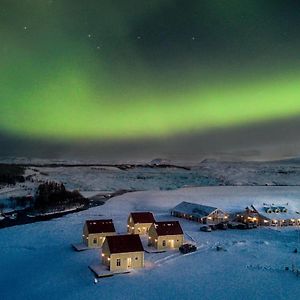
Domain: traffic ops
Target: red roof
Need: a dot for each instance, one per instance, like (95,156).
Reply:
(124,243)
(100,226)
(142,217)
(168,228)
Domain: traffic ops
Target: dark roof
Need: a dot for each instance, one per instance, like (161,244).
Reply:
(99,226)
(124,243)
(194,209)
(142,217)
(168,228)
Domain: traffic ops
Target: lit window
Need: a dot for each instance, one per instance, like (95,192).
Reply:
(118,262)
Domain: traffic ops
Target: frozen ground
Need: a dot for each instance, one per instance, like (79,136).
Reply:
(37,261)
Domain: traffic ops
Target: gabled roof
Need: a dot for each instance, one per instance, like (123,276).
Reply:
(100,226)
(194,209)
(142,217)
(273,212)
(168,228)
(124,243)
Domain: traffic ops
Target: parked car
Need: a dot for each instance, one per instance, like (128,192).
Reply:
(187,248)
(213,226)
(222,226)
(206,228)
(251,225)
(241,226)
(233,225)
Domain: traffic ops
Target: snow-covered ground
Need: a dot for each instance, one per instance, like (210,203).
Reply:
(37,261)
(91,180)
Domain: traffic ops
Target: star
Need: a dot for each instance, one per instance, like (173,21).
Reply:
(193,38)
(25,27)
(138,37)
(89,35)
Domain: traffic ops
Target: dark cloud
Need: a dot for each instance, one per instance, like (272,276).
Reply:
(269,140)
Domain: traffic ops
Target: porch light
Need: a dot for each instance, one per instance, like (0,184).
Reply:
(127,225)
(102,254)
(265,221)
(209,218)
(293,220)
(108,258)
(226,217)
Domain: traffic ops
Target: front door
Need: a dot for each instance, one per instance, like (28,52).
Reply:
(171,243)
(129,262)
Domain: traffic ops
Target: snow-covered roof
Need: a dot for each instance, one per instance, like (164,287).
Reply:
(194,209)
(274,212)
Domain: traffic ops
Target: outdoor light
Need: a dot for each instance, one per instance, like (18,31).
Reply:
(102,254)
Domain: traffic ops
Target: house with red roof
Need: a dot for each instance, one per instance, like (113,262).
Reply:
(123,252)
(95,232)
(139,222)
(166,235)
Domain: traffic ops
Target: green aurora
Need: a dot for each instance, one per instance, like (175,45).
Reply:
(71,70)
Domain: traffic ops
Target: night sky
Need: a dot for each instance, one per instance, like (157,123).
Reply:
(134,70)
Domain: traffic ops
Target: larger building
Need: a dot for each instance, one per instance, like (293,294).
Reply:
(199,213)
(266,214)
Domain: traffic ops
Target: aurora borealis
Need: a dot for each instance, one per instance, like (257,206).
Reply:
(115,70)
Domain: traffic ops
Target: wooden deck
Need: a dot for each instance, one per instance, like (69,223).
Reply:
(80,247)
(100,271)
